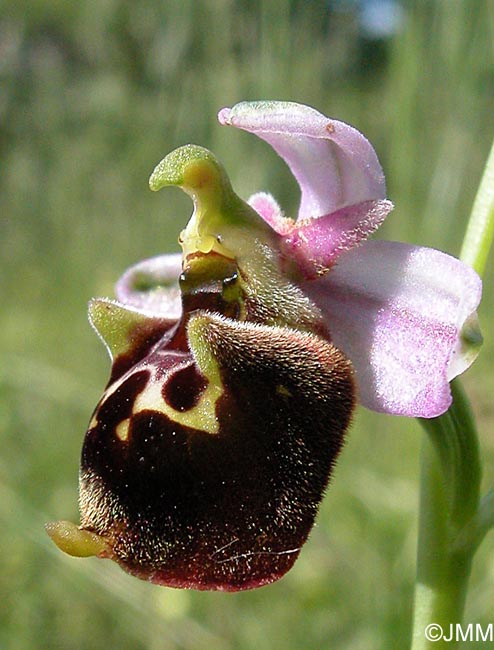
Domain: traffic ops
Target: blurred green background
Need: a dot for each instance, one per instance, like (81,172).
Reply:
(93,95)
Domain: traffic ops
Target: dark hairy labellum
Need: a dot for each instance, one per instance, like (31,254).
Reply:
(228,509)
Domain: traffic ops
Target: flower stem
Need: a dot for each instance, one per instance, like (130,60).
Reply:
(453,519)
(479,526)
(480,230)
(449,500)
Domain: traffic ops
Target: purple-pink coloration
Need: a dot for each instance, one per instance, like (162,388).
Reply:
(397,311)
(334,164)
(317,243)
(151,285)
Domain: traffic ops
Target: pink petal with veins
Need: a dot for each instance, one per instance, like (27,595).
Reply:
(397,311)
(334,164)
(317,243)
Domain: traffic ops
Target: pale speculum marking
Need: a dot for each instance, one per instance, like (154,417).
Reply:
(167,391)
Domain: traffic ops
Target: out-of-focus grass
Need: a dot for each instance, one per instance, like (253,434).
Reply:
(94,94)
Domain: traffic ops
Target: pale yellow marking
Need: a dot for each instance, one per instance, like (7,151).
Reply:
(201,417)
(122,430)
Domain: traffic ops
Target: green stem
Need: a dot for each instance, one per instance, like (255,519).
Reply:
(480,230)
(477,528)
(449,499)
(452,519)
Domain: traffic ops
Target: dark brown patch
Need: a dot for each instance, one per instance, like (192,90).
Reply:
(118,406)
(142,340)
(183,388)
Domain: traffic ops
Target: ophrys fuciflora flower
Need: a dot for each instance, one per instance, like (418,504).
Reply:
(233,381)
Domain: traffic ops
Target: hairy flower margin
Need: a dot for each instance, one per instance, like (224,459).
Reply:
(235,363)
(404,315)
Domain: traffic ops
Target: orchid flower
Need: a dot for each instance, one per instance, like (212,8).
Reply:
(236,365)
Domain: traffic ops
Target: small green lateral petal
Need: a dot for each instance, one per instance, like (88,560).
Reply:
(115,324)
(120,328)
